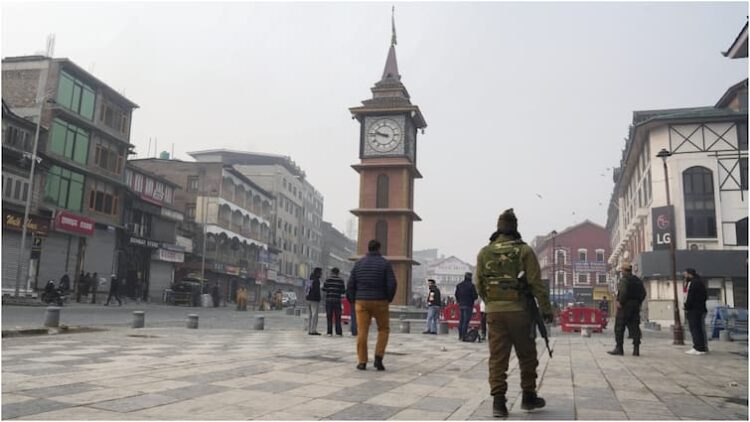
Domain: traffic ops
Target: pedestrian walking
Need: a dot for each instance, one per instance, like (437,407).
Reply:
(433,307)
(466,295)
(86,286)
(242,299)
(695,306)
(94,287)
(215,295)
(334,289)
(372,286)
(499,266)
(312,296)
(483,321)
(630,296)
(65,283)
(114,290)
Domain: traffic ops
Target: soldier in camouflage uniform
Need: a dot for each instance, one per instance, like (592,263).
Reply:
(510,325)
(630,296)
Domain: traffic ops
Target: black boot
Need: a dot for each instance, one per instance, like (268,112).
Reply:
(379,363)
(636,350)
(362,366)
(530,401)
(499,409)
(618,351)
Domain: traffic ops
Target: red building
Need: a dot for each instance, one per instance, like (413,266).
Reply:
(580,268)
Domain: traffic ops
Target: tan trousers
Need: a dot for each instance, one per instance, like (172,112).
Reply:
(506,330)
(366,310)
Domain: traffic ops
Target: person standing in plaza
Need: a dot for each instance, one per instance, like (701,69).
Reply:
(502,266)
(215,295)
(630,296)
(86,286)
(114,290)
(466,295)
(433,307)
(94,287)
(695,307)
(604,306)
(334,289)
(372,286)
(312,296)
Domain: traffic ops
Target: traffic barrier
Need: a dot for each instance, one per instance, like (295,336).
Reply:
(192,321)
(139,319)
(52,317)
(443,327)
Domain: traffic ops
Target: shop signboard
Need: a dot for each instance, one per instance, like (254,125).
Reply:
(72,223)
(36,225)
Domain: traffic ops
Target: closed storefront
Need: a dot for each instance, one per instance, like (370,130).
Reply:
(36,229)
(100,250)
(59,254)
(11,245)
(161,277)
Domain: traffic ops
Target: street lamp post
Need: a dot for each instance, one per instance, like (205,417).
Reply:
(554,273)
(677,333)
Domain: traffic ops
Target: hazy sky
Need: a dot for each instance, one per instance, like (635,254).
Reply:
(520,98)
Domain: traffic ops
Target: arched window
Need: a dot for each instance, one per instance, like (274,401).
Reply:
(381,200)
(381,234)
(741,227)
(700,216)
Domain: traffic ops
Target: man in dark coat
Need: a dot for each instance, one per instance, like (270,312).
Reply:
(334,289)
(695,306)
(312,296)
(630,296)
(114,290)
(466,295)
(371,287)
(215,295)
(434,303)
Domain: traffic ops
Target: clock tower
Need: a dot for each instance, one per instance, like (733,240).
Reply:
(388,166)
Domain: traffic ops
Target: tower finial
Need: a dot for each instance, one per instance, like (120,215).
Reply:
(393,25)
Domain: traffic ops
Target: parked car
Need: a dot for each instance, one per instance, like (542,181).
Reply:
(288,299)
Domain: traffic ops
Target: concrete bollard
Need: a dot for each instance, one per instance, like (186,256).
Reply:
(723,335)
(297,312)
(585,332)
(192,321)
(443,327)
(52,317)
(405,327)
(259,322)
(139,319)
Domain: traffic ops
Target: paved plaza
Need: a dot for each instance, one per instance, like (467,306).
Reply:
(170,372)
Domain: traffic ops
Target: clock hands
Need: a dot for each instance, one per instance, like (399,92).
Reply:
(379,133)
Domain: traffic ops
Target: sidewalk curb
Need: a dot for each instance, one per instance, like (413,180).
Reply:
(62,329)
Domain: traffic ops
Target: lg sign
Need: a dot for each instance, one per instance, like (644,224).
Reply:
(662,227)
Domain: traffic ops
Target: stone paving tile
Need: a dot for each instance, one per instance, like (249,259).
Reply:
(274,386)
(82,413)
(316,390)
(394,399)
(604,392)
(31,407)
(320,408)
(648,407)
(62,390)
(599,415)
(438,404)
(419,415)
(10,398)
(193,391)
(597,403)
(361,411)
(94,396)
(130,404)
(364,391)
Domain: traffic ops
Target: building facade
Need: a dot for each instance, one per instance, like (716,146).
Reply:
(574,262)
(336,250)
(447,273)
(85,149)
(227,216)
(707,218)
(297,213)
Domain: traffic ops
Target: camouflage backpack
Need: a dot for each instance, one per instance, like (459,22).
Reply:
(501,271)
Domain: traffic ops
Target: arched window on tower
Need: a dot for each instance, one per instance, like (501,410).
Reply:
(381,234)
(700,215)
(381,199)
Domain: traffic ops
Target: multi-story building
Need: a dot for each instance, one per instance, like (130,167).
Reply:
(148,249)
(336,251)
(297,211)
(18,142)
(85,151)
(694,195)
(234,213)
(577,256)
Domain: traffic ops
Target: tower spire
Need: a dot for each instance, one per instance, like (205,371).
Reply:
(391,65)
(393,25)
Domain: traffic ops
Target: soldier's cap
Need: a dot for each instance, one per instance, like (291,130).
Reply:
(626,266)
(507,221)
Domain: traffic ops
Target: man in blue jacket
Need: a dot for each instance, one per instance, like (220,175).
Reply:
(371,287)
(466,295)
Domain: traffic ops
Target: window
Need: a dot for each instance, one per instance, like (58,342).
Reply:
(381,234)
(75,95)
(15,187)
(69,141)
(168,194)
(102,198)
(64,188)
(600,255)
(190,212)
(700,220)
(138,183)
(741,227)
(114,118)
(560,257)
(743,173)
(192,184)
(109,156)
(583,278)
(582,255)
(602,279)
(381,200)
(17,138)
(561,277)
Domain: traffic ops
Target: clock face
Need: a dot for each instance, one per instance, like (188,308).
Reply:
(384,135)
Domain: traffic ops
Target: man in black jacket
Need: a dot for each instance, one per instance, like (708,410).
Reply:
(312,296)
(334,289)
(371,287)
(434,303)
(695,305)
(466,295)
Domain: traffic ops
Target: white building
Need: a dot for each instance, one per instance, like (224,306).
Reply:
(447,273)
(707,175)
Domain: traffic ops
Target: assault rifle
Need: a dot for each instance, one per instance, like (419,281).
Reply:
(533,309)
